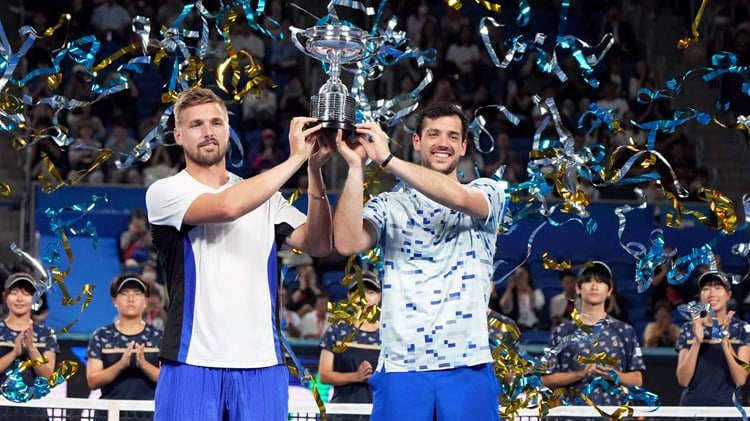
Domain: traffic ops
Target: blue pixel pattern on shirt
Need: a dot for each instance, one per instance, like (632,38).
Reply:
(438,265)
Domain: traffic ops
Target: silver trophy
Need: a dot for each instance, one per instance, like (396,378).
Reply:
(335,45)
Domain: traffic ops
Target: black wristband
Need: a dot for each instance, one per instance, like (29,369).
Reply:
(387,161)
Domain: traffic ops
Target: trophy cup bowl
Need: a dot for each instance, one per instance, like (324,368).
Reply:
(335,45)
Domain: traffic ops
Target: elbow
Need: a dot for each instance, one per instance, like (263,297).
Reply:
(325,377)
(93,385)
(228,211)
(346,245)
(637,379)
(344,249)
(322,248)
(682,380)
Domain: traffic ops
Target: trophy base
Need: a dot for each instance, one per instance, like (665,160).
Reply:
(347,129)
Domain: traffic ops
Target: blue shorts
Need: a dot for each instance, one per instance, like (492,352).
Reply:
(467,393)
(188,392)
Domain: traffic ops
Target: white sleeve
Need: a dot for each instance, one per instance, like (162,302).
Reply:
(168,199)
(285,212)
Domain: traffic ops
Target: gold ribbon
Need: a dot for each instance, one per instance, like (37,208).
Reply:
(491,6)
(48,186)
(549,263)
(724,216)
(598,358)
(685,42)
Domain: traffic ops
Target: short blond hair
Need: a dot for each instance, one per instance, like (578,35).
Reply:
(193,97)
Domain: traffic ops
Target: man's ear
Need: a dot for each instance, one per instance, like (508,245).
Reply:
(177,136)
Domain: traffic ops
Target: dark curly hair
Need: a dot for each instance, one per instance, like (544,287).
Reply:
(441,109)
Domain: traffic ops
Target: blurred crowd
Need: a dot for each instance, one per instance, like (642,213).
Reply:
(463,73)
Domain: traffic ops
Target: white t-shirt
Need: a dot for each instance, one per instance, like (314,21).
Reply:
(221,277)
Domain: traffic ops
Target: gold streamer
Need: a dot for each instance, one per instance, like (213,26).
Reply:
(491,6)
(315,392)
(549,263)
(723,215)
(354,311)
(65,371)
(5,189)
(598,358)
(50,186)
(742,124)
(295,196)
(685,42)
(69,326)
(251,71)
(23,365)
(64,18)
(576,317)
(59,276)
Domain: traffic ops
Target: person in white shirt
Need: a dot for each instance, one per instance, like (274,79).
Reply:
(217,236)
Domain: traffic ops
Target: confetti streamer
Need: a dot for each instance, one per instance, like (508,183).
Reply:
(695,36)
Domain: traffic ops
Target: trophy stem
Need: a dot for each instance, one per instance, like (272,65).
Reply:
(335,62)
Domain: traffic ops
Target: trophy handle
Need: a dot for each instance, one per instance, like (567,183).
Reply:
(294,31)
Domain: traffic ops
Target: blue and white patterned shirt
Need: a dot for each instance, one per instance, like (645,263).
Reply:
(438,265)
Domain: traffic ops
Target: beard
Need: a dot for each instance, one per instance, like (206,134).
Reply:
(206,159)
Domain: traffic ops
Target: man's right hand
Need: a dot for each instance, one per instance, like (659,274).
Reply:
(353,153)
(300,141)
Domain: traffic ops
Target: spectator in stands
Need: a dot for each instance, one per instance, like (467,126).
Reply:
(135,242)
(521,301)
(23,339)
(83,152)
(120,142)
(259,109)
(292,322)
(708,346)
(415,22)
(464,53)
(267,155)
(155,314)
(622,31)
(349,371)
(662,332)
(245,39)
(214,234)
(110,18)
(470,166)
(434,362)
(611,100)
(121,358)
(307,287)
(616,339)
(616,306)
(315,323)
(562,304)
(159,166)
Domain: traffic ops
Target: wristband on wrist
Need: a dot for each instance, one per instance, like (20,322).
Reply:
(386,162)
